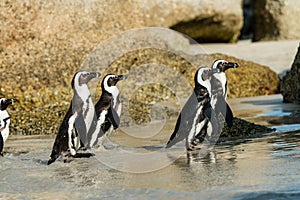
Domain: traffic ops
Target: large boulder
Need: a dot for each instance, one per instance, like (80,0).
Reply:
(44,37)
(276,19)
(210,21)
(290,84)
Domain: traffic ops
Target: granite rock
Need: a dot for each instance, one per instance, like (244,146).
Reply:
(290,84)
(276,19)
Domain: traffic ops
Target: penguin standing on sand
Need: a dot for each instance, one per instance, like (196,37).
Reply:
(219,95)
(78,119)
(4,121)
(195,112)
(107,109)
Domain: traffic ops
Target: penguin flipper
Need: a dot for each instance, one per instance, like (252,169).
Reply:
(1,144)
(81,129)
(183,125)
(223,108)
(208,111)
(213,121)
(229,116)
(113,117)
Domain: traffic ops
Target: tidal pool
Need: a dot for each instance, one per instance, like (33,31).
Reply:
(265,167)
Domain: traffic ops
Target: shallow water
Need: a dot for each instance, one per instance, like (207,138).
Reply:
(267,167)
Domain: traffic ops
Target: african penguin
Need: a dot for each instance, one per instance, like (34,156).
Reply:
(4,121)
(195,112)
(219,94)
(78,119)
(219,89)
(107,109)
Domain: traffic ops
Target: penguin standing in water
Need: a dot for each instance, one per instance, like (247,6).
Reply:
(196,112)
(4,121)
(107,109)
(219,95)
(78,119)
(219,89)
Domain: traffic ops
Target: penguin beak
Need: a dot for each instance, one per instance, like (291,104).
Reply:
(229,65)
(92,75)
(121,77)
(14,100)
(95,74)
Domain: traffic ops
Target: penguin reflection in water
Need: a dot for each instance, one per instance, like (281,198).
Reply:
(107,109)
(72,133)
(4,121)
(196,112)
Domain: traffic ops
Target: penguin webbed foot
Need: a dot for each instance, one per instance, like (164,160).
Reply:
(192,147)
(83,155)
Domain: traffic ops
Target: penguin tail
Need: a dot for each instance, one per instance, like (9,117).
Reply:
(51,160)
(170,143)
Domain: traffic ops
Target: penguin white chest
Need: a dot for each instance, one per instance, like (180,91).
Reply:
(4,124)
(100,121)
(196,124)
(222,78)
(88,109)
(88,113)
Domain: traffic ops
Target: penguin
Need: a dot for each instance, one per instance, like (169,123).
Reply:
(107,109)
(78,119)
(219,95)
(4,121)
(195,112)
(219,89)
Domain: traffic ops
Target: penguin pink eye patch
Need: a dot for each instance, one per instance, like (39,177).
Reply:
(224,62)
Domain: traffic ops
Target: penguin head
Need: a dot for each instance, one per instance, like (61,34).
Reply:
(223,65)
(110,81)
(4,103)
(83,77)
(202,77)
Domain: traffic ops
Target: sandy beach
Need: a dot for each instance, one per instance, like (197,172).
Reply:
(278,55)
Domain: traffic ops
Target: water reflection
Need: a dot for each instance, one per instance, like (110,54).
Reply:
(236,168)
